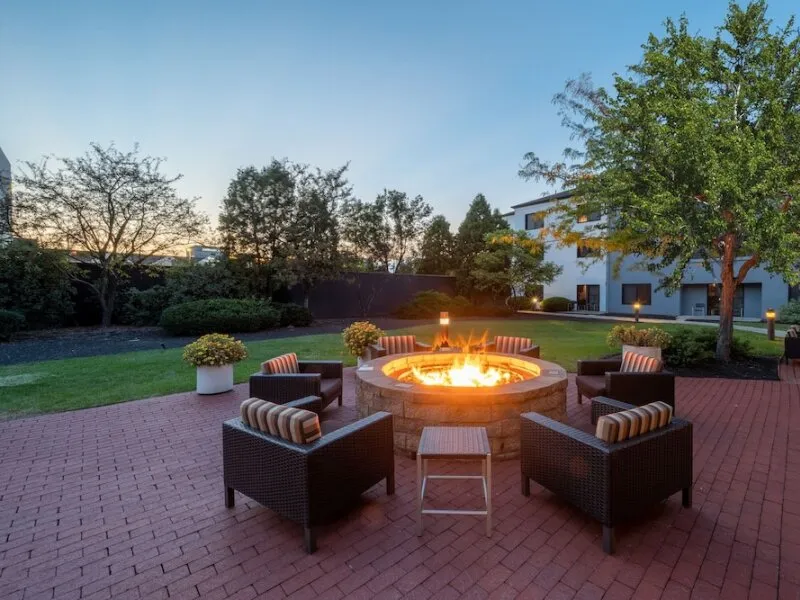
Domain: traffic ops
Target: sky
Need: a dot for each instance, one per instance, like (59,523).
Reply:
(439,98)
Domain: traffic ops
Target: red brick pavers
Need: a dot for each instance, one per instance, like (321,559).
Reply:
(126,501)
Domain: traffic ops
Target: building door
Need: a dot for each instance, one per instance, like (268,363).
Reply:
(588,297)
(713,300)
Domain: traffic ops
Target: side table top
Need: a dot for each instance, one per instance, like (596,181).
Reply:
(454,442)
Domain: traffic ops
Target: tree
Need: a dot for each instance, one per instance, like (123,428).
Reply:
(385,233)
(254,222)
(470,240)
(436,249)
(694,153)
(112,210)
(314,233)
(512,262)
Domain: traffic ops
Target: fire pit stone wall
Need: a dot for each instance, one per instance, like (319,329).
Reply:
(497,408)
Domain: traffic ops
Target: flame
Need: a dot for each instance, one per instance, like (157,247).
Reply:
(466,371)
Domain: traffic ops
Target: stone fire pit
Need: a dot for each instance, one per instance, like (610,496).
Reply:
(542,388)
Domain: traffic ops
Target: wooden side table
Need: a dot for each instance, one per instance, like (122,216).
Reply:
(462,443)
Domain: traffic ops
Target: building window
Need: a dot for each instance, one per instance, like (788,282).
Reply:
(636,292)
(588,217)
(534,221)
(794,292)
(585,251)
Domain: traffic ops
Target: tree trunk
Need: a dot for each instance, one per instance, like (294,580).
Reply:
(107,293)
(727,293)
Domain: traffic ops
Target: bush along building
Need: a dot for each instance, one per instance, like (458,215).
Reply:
(594,285)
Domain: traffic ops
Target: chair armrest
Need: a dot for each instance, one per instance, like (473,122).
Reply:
(312,403)
(641,388)
(375,351)
(569,462)
(606,406)
(531,351)
(284,387)
(329,369)
(487,347)
(422,347)
(598,367)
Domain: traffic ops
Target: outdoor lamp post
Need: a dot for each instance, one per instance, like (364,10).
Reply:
(637,306)
(770,324)
(535,301)
(444,328)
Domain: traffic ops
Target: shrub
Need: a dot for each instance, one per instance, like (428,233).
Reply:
(214,350)
(219,315)
(790,313)
(294,315)
(519,303)
(555,304)
(693,347)
(11,322)
(144,307)
(631,336)
(359,335)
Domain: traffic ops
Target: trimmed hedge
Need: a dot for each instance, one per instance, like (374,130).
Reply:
(790,313)
(220,315)
(294,315)
(11,322)
(693,347)
(555,304)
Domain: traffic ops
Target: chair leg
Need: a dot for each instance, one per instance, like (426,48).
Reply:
(687,497)
(229,497)
(340,399)
(526,485)
(609,543)
(310,539)
(580,398)
(390,484)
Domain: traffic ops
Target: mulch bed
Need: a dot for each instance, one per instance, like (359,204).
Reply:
(764,368)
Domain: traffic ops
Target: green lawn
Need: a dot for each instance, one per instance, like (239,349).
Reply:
(74,383)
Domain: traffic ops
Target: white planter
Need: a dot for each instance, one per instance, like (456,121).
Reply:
(214,380)
(651,351)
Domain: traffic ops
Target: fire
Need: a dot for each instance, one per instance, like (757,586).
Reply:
(465,371)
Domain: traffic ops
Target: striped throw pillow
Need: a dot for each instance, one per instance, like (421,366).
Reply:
(286,363)
(624,425)
(511,345)
(633,362)
(292,424)
(793,331)
(398,344)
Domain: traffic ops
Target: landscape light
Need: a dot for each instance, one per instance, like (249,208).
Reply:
(770,324)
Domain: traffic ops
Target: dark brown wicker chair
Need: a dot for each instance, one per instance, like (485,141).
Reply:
(603,378)
(609,482)
(512,345)
(310,484)
(321,378)
(791,348)
(396,344)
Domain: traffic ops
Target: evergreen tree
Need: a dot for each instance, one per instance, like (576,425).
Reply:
(436,249)
(479,222)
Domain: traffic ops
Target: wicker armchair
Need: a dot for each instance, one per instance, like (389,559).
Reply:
(511,345)
(312,483)
(609,482)
(321,378)
(791,345)
(604,378)
(396,344)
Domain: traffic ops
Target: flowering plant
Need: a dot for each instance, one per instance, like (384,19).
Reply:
(214,350)
(630,336)
(360,335)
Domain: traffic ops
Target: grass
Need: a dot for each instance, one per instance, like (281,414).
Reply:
(74,383)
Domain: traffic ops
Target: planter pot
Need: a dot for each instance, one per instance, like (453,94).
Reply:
(214,380)
(652,351)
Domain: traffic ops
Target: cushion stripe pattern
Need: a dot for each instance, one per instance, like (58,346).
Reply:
(633,362)
(793,331)
(511,345)
(627,424)
(287,422)
(398,344)
(285,363)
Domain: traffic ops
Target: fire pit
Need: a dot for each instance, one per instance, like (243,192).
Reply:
(450,388)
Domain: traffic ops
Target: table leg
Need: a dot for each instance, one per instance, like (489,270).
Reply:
(488,464)
(419,494)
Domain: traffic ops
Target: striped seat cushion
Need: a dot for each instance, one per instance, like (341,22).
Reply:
(627,424)
(511,345)
(398,344)
(793,331)
(292,424)
(633,362)
(285,363)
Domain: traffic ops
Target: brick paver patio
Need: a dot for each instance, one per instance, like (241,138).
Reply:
(126,501)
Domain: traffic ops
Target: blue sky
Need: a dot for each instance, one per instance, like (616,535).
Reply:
(439,98)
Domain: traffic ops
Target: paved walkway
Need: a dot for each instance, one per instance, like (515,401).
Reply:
(126,501)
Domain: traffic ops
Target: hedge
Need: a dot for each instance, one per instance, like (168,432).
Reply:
(294,315)
(11,322)
(220,315)
(555,304)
